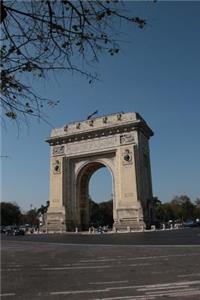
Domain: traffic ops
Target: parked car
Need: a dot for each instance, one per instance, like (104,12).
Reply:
(14,230)
(8,230)
(190,223)
(18,231)
(2,229)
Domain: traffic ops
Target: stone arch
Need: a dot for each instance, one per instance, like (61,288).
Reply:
(83,175)
(118,141)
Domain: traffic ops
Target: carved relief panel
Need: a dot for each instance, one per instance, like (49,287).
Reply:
(127,138)
(91,145)
(58,150)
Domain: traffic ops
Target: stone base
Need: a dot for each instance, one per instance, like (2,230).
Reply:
(55,222)
(129,225)
(130,218)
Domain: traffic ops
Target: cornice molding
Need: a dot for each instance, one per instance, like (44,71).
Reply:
(139,125)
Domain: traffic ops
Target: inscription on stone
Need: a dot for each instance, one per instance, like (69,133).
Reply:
(55,200)
(89,145)
(128,195)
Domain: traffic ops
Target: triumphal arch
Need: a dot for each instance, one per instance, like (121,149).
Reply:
(119,142)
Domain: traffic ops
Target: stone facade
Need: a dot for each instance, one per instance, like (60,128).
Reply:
(119,142)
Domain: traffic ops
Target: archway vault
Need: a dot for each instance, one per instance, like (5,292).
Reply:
(118,142)
(82,190)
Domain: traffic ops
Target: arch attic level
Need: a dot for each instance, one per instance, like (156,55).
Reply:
(118,141)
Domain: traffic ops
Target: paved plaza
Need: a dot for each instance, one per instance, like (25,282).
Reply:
(108,266)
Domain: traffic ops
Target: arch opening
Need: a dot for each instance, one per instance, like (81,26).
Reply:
(93,213)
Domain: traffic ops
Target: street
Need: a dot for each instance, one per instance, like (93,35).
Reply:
(118,266)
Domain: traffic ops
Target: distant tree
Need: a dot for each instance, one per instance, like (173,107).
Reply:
(179,208)
(197,209)
(197,202)
(160,213)
(182,207)
(10,213)
(101,214)
(106,212)
(168,212)
(31,217)
(47,35)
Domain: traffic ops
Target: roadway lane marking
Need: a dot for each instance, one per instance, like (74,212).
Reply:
(109,282)
(7,295)
(127,297)
(138,265)
(108,289)
(73,268)
(114,298)
(78,267)
(137,258)
(14,266)
(106,245)
(79,292)
(170,284)
(72,264)
(98,260)
(168,292)
(162,288)
(118,245)
(178,293)
(10,269)
(189,275)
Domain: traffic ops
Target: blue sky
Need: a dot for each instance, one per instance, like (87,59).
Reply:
(156,74)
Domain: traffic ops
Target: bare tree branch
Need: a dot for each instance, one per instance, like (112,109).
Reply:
(42,36)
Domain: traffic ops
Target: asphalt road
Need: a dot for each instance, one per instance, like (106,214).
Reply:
(187,236)
(110,267)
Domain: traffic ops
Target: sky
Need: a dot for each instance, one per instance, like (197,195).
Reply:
(157,74)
